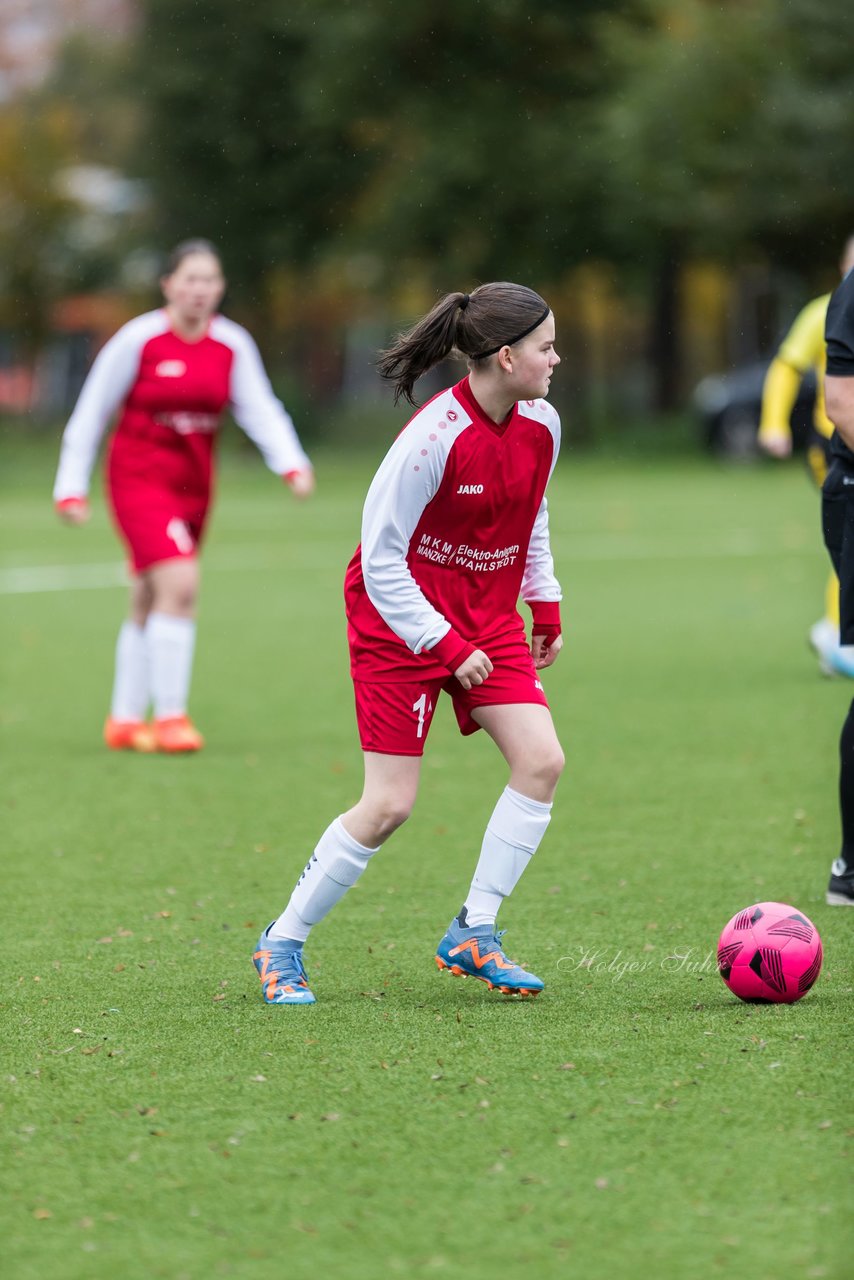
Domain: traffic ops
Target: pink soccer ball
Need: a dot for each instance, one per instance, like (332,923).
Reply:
(769,952)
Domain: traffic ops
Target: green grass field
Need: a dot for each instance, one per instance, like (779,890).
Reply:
(160,1121)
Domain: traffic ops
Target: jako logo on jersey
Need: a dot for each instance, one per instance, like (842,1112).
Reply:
(451,415)
(170,369)
(470,488)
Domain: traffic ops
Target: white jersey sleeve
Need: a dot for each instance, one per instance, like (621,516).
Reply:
(110,379)
(254,405)
(405,483)
(538,580)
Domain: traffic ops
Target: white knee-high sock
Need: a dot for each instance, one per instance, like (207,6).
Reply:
(513,833)
(171,642)
(332,869)
(131,688)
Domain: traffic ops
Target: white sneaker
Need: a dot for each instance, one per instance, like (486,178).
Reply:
(834,659)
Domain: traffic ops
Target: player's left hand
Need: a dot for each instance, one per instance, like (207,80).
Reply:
(543,653)
(300,483)
(73,510)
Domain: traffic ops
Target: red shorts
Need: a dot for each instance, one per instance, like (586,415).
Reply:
(155,526)
(394,719)
(160,516)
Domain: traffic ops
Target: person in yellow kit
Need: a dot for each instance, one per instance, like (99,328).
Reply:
(802,349)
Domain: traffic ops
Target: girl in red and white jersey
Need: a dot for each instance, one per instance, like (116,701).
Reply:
(169,374)
(455,529)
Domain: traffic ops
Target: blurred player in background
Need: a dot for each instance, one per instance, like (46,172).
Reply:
(803,349)
(454,529)
(170,373)
(838,524)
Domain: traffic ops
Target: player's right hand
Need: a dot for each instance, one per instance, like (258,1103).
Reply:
(474,670)
(777,444)
(73,510)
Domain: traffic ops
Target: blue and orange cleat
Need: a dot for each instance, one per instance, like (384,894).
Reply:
(282,972)
(477,953)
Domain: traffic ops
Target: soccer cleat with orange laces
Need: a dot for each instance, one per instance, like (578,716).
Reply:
(282,972)
(128,735)
(174,734)
(477,953)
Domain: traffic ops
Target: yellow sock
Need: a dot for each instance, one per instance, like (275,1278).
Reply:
(831,601)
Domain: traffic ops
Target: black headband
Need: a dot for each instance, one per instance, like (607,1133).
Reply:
(512,341)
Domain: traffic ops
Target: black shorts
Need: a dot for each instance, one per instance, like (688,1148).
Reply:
(837,520)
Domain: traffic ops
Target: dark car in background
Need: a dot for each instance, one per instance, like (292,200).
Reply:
(729,405)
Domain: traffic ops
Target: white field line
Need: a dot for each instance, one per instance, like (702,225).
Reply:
(32,579)
(61,577)
(625,548)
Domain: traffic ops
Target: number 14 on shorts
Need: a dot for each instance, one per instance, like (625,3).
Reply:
(423,708)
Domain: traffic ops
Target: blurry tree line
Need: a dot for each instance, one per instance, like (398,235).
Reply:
(353,159)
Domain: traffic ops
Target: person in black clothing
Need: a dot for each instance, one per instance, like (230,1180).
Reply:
(838,528)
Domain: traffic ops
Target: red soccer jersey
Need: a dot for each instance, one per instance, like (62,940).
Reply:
(171,393)
(455,528)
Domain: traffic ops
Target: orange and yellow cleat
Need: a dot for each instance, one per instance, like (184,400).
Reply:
(128,735)
(174,734)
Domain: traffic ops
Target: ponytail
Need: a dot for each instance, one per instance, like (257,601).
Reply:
(425,345)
